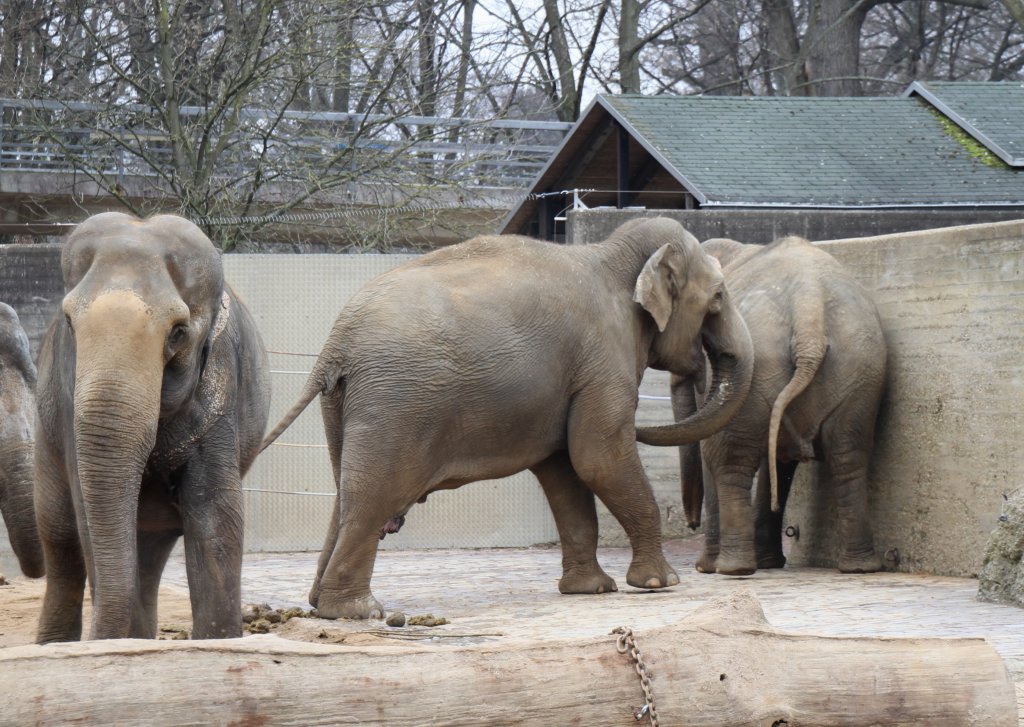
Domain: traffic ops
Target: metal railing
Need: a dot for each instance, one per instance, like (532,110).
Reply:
(117,141)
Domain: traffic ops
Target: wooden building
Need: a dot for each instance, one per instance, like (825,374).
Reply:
(941,153)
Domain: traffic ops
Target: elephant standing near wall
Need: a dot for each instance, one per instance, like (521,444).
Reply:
(17,424)
(819,373)
(502,354)
(153,398)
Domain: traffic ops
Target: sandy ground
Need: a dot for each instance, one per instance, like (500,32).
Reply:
(511,594)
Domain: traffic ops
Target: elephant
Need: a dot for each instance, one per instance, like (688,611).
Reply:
(153,398)
(502,354)
(819,375)
(17,424)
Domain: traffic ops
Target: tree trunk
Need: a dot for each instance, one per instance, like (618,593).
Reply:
(568,100)
(834,38)
(723,665)
(629,46)
(783,48)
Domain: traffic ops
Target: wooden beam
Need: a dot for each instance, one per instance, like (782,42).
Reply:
(723,665)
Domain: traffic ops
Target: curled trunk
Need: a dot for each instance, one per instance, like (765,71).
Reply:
(729,349)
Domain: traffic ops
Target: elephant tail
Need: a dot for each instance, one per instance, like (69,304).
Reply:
(810,346)
(314,386)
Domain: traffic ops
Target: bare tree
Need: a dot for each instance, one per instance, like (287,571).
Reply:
(838,47)
(253,113)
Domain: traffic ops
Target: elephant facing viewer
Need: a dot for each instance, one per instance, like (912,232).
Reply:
(819,372)
(17,422)
(153,397)
(502,354)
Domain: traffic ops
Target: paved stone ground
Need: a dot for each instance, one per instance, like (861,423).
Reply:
(512,593)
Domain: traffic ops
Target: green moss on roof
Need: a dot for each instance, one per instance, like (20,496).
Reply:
(971,145)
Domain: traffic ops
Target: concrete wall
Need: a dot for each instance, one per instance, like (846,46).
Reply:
(763,226)
(31,283)
(952,303)
(952,422)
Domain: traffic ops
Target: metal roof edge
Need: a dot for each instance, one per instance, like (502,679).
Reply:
(669,167)
(928,95)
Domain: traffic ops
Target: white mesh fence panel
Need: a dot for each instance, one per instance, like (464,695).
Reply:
(289,490)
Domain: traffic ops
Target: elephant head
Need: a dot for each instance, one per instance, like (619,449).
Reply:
(17,423)
(684,291)
(141,302)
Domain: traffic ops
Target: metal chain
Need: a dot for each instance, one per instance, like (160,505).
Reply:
(627,642)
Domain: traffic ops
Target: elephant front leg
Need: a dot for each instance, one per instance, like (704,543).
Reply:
(154,550)
(610,466)
(211,511)
(707,562)
(572,505)
(60,618)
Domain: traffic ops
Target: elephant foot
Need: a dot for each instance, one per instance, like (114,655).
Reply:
(728,565)
(332,605)
(707,562)
(768,561)
(869,563)
(593,580)
(658,574)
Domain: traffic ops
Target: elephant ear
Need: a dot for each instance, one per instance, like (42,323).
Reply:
(656,286)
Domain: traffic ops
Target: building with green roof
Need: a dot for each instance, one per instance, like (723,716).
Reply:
(942,153)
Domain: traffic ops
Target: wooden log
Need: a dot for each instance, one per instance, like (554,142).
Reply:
(722,665)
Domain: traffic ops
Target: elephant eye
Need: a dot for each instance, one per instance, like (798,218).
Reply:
(177,336)
(67,319)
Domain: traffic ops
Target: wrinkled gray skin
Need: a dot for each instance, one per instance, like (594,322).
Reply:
(17,424)
(819,372)
(502,354)
(153,397)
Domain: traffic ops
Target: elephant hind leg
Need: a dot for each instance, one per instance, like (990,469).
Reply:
(768,524)
(847,450)
(330,411)
(343,591)
(572,504)
(369,495)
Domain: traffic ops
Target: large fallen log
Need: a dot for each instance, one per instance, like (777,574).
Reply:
(723,665)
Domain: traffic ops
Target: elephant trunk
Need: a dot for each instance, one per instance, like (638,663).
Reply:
(118,379)
(684,404)
(731,353)
(17,508)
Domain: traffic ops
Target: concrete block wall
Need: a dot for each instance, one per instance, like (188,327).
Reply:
(950,431)
(952,303)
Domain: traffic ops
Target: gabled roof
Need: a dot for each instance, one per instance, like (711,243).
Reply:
(780,152)
(993,113)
